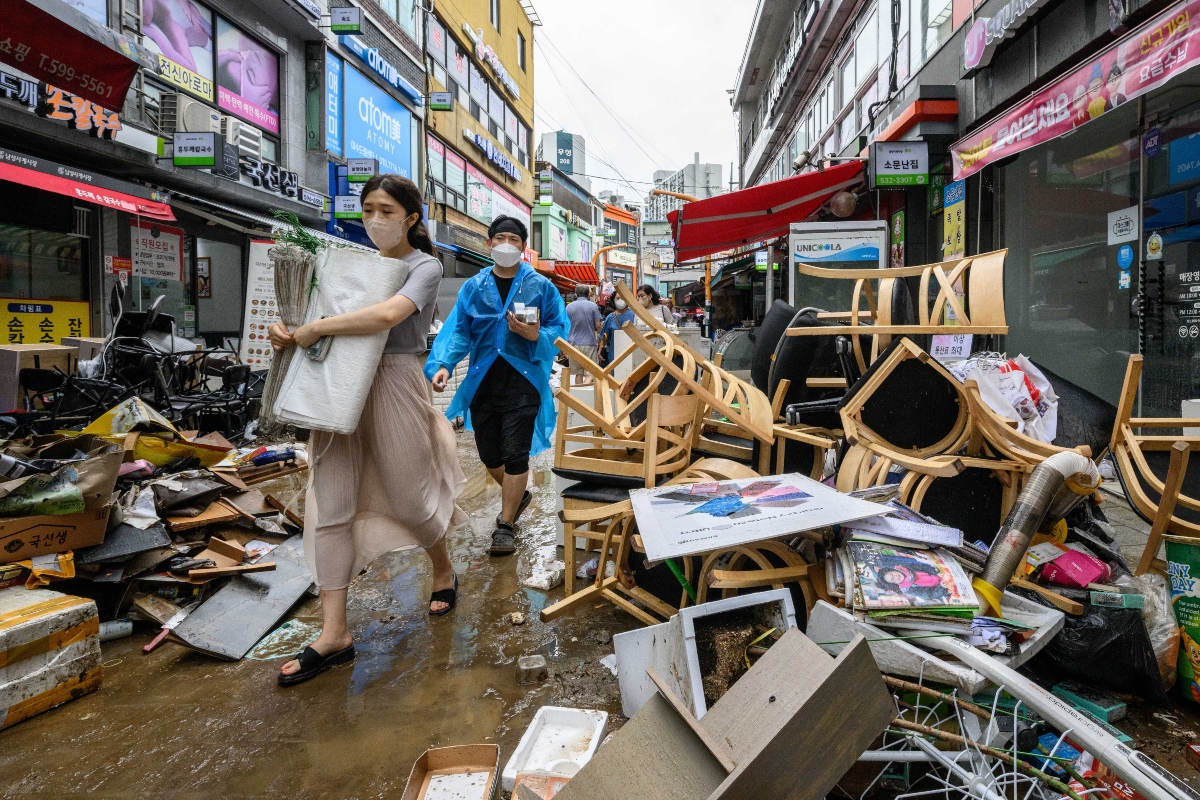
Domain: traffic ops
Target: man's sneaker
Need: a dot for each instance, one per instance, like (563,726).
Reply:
(526,499)
(504,539)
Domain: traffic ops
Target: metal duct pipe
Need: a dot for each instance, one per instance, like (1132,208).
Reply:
(1055,485)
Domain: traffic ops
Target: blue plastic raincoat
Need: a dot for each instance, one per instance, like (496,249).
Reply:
(477,327)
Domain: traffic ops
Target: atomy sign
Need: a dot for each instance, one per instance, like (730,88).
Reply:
(987,33)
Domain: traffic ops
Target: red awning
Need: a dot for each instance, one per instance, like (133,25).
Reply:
(59,44)
(39,174)
(757,214)
(578,271)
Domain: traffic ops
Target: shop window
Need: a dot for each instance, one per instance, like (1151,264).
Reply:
(390,7)
(508,144)
(270,150)
(866,49)
(537,236)
(1067,303)
(494,13)
(493,129)
(848,82)
(44,265)
(476,111)
(439,73)
(521,51)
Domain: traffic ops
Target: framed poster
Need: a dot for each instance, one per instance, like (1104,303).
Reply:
(157,250)
(204,276)
(181,33)
(247,77)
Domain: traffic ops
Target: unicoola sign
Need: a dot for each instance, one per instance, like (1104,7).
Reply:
(986,34)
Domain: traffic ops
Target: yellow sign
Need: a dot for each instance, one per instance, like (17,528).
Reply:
(43,321)
(184,78)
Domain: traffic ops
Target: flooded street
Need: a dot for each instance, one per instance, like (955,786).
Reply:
(179,724)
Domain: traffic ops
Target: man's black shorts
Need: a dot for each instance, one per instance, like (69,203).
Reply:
(504,437)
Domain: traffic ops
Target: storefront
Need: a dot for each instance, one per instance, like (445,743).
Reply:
(1093,185)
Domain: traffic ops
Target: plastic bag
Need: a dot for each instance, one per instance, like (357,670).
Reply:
(1159,617)
(1015,389)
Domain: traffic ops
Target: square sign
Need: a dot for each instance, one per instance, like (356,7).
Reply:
(441,101)
(346,207)
(345,20)
(899,164)
(195,149)
(361,170)
(1123,225)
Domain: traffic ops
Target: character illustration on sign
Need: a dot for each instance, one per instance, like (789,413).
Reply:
(1115,86)
(176,27)
(1079,107)
(1097,102)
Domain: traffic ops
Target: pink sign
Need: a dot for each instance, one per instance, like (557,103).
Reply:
(1139,62)
(247,78)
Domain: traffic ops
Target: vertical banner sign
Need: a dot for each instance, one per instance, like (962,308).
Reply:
(896,236)
(565,152)
(1141,61)
(261,308)
(954,214)
(333,104)
(157,251)
(43,321)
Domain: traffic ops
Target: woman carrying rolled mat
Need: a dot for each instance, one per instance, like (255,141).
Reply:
(393,482)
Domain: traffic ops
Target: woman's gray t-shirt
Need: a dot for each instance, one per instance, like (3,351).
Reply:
(424,275)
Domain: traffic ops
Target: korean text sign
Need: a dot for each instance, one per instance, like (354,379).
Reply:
(1141,61)
(157,251)
(43,321)
(181,33)
(375,125)
(247,78)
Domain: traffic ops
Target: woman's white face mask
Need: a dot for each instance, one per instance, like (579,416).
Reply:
(620,304)
(506,255)
(386,233)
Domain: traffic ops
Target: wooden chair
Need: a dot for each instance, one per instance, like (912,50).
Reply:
(994,434)
(981,276)
(1153,470)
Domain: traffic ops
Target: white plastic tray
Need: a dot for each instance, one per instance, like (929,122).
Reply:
(559,740)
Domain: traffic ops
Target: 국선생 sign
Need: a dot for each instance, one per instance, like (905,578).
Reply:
(899,164)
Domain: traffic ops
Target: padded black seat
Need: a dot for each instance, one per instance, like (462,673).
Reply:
(766,337)
(723,438)
(595,493)
(625,482)
(970,501)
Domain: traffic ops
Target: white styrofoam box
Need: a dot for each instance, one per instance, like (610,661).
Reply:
(782,616)
(559,740)
(658,646)
(1049,622)
(1190,410)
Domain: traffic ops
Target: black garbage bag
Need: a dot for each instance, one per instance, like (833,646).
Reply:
(1105,647)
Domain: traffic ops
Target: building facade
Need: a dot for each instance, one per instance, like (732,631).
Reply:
(567,152)
(700,181)
(1061,130)
(479,146)
(564,225)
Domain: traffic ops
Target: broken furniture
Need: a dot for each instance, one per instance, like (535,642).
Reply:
(462,772)
(1154,473)
(977,280)
(789,728)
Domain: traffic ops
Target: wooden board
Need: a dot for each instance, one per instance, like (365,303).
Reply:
(248,607)
(155,608)
(654,756)
(207,573)
(123,542)
(799,719)
(217,513)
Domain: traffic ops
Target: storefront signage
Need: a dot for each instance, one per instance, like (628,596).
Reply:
(268,176)
(1125,257)
(79,113)
(196,149)
(1154,247)
(948,347)
(1152,142)
(88,186)
(832,244)
(1185,158)
(118,265)
(157,251)
(361,170)
(565,152)
(44,321)
(381,67)
(1139,62)
(261,309)
(1123,225)
(345,20)
(247,77)
(487,199)
(311,7)
(333,104)
(312,198)
(167,24)
(346,206)
(896,238)
(622,258)
(441,101)
(18,90)
(954,220)
(898,164)
(485,53)
(376,125)
(493,154)
(987,33)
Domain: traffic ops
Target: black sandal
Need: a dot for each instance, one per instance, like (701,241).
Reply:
(526,499)
(504,539)
(447,596)
(313,664)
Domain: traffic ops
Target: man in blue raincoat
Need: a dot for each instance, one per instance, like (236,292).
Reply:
(507,319)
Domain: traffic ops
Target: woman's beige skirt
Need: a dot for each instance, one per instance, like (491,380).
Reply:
(390,485)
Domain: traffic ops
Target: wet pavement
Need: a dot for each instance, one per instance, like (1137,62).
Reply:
(178,724)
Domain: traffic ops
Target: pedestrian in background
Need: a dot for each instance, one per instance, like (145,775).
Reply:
(506,319)
(617,318)
(585,324)
(651,300)
(394,482)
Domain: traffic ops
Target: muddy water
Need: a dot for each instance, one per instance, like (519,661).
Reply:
(178,724)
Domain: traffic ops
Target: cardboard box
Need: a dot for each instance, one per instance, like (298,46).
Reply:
(16,357)
(50,648)
(22,538)
(88,347)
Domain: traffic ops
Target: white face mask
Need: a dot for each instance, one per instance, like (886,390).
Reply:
(620,304)
(385,233)
(506,255)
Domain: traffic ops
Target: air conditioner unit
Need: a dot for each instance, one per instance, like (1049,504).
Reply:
(181,114)
(243,135)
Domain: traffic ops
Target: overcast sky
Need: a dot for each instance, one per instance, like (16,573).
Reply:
(663,67)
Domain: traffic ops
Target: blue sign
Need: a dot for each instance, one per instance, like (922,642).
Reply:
(1166,212)
(333,104)
(955,192)
(1125,256)
(376,126)
(1152,142)
(383,68)
(30,308)
(1185,158)
(494,154)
